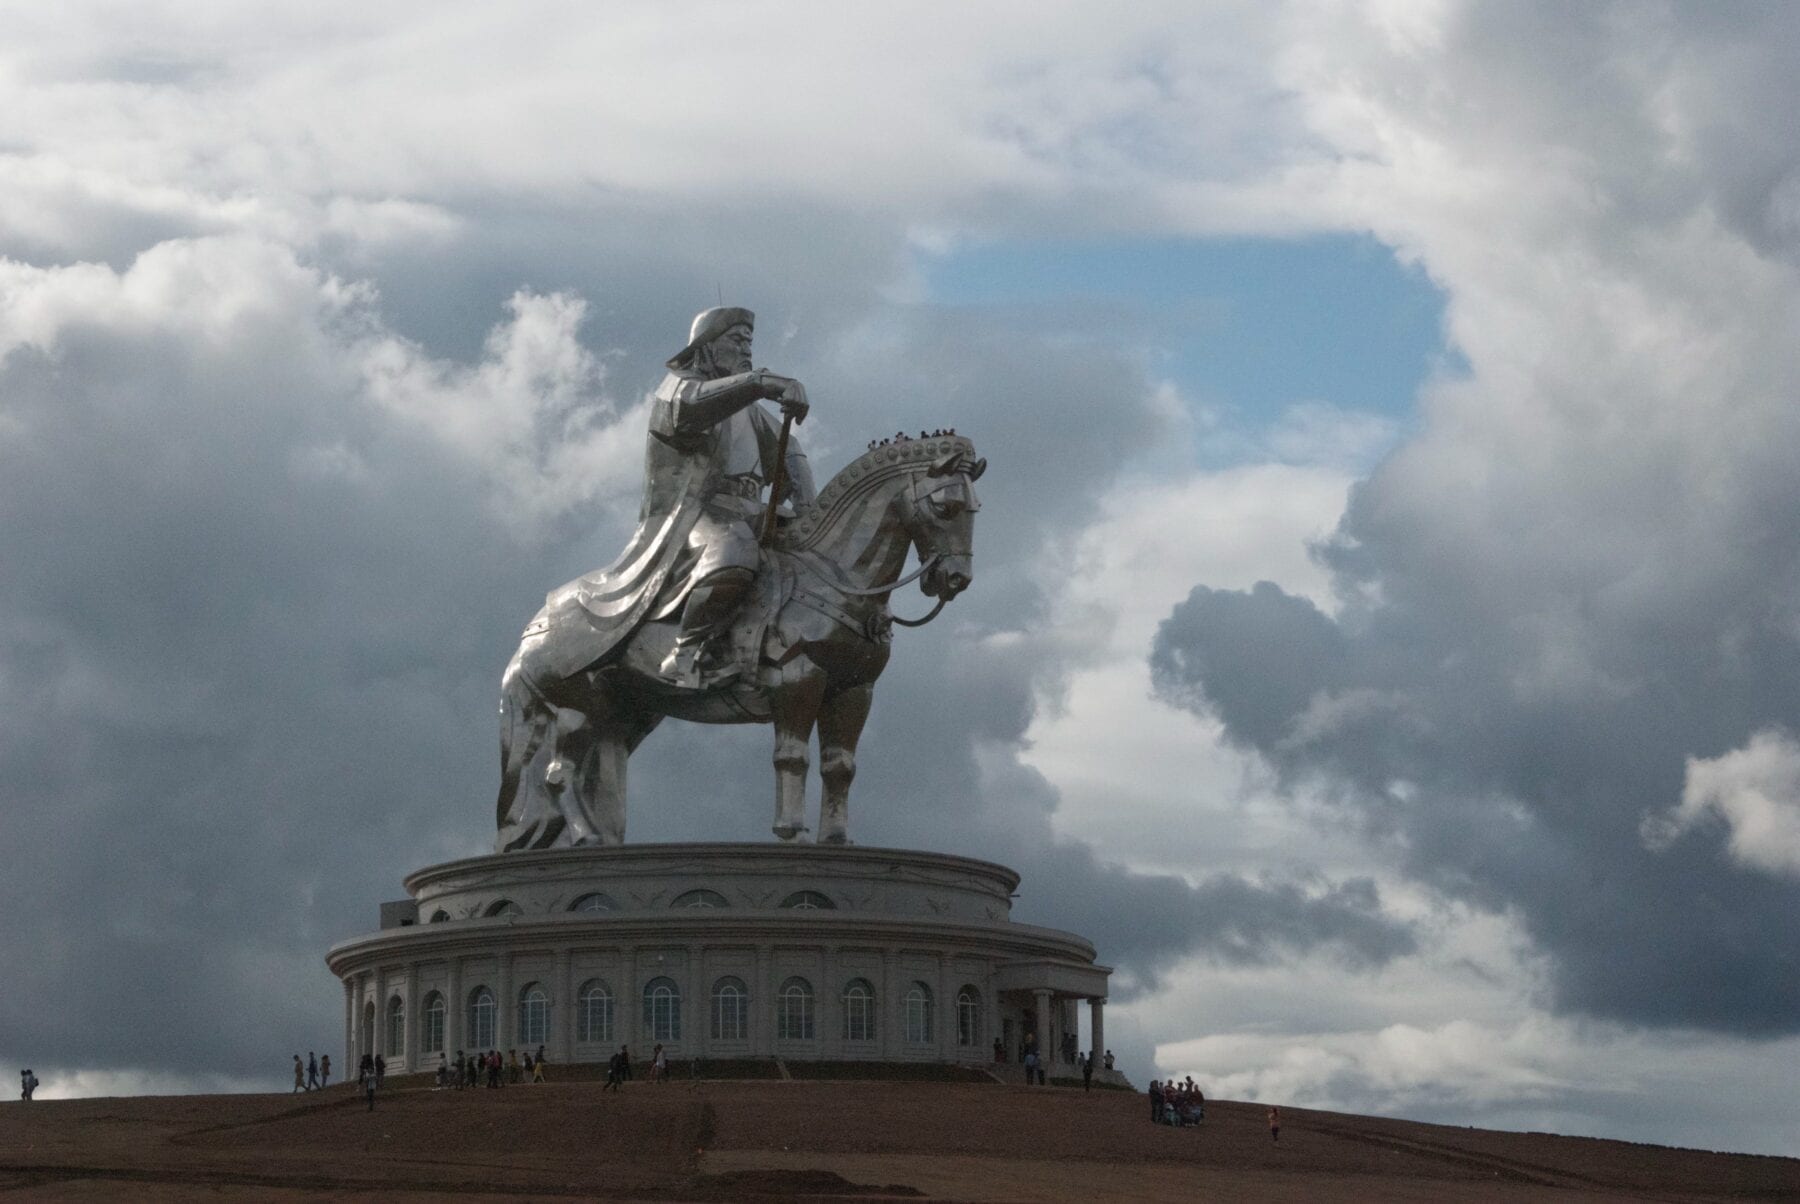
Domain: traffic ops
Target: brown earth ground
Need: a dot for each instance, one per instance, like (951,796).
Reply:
(782,1140)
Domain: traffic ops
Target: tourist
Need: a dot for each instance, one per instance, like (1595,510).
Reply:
(659,1064)
(299,1075)
(380,1071)
(443,1073)
(537,1066)
(1156,1102)
(530,1064)
(365,1069)
(369,1089)
(471,1071)
(1107,1061)
(493,1068)
(462,1071)
(625,1063)
(312,1071)
(999,1051)
(1087,1072)
(1033,1073)
(1275,1125)
(614,1073)
(325,1070)
(28,1082)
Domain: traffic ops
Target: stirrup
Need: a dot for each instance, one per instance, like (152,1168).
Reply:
(681,667)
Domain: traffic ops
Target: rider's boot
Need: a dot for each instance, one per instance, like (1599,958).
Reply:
(708,612)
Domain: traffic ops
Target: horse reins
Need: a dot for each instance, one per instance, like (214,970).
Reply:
(924,567)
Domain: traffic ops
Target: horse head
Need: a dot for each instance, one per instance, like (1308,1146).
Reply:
(943,519)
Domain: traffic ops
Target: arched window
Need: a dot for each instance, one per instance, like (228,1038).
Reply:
(593,902)
(809,900)
(968,1016)
(439,916)
(918,1013)
(481,1018)
(502,907)
(700,898)
(730,1010)
(859,1011)
(431,1023)
(794,1011)
(662,1010)
(594,1012)
(534,1015)
(396,1027)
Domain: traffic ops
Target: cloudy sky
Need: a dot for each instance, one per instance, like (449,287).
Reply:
(1385,640)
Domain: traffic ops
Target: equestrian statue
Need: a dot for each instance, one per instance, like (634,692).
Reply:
(742,597)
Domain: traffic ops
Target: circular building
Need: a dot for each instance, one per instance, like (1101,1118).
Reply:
(717,951)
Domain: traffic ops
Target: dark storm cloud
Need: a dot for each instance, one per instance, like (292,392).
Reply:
(1585,570)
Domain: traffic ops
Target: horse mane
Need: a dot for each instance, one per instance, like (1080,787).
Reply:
(880,463)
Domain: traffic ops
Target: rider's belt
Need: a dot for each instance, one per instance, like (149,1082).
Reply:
(740,486)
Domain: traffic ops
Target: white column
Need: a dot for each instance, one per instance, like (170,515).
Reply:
(381,1013)
(454,1009)
(946,1011)
(631,1002)
(349,1024)
(1097,1020)
(410,1013)
(505,1022)
(562,1010)
(1046,1040)
(762,1003)
(887,1008)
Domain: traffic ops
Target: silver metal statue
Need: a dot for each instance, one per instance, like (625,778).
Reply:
(726,607)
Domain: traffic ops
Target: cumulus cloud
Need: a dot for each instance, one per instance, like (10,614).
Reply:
(1580,576)
(1755,790)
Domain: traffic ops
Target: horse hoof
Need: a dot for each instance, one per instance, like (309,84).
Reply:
(789,832)
(834,838)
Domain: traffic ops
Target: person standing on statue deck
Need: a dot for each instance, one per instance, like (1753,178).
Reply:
(1275,1125)
(312,1071)
(299,1075)
(324,1070)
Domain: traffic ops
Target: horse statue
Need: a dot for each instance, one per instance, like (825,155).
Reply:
(811,640)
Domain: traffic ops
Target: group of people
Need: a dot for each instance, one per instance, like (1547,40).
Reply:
(313,1074)
(470,1071)
(1174,1102)
(27,1083)
(1033,1061)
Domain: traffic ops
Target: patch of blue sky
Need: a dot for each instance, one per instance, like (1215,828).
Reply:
(1246,329)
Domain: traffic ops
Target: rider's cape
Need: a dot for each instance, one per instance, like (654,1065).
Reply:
(595,614)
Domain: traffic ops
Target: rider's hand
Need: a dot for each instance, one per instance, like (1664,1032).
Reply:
(793,401)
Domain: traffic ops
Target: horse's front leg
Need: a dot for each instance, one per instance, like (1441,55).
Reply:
(794,701)
(840,726)
(595,755)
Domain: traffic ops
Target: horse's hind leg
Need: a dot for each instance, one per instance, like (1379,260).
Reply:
(841,722)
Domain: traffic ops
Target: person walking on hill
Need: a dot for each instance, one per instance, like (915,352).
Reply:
(380,1071)
(324,1070)
(1275,1125)
(312,1071)
(614,1072)
(1087,1072)
(537,1073)
(28,1082)
(299,1075)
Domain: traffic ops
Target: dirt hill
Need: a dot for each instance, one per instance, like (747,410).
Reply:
(746,1141)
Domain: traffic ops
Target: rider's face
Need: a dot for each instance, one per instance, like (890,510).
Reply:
(731,351)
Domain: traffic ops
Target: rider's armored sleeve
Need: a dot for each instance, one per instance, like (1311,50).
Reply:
(695,406)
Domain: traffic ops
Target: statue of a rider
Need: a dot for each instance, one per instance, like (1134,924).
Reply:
(711,454)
